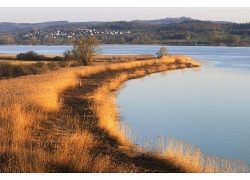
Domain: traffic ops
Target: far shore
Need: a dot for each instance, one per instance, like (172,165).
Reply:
(202,45)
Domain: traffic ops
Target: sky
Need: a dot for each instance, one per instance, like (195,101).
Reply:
(39,14)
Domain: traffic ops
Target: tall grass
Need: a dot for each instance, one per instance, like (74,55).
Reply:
(15,69)
(122,58)
(190,158)
(38,134)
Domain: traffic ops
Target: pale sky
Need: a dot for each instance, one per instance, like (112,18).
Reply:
(39,14)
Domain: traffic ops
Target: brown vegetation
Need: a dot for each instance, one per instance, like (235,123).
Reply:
(98,58)
(9,69)
(67,121)
(121,58)
(14,68)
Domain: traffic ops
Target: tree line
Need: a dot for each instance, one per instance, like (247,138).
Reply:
(186,33)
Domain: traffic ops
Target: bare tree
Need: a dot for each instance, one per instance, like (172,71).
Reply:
(163,51)
(85,48)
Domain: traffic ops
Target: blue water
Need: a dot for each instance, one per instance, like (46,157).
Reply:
(209,108)
(233,57)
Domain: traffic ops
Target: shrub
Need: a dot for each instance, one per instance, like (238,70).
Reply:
(163,51)
(63,63)
(30,55)
(6,70)
(53,66)
(39,64)
(77,63)
(21,70)
(58,58)
(67,55)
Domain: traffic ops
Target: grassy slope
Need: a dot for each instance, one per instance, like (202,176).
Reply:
(66,121)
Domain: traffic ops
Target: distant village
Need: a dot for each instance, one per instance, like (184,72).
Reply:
(192,33)
(67,33)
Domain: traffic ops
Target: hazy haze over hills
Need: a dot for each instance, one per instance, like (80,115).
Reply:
(9,26)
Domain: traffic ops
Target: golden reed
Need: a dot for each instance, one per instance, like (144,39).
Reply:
(38,136)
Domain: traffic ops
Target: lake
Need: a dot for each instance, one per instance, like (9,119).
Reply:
(233,57)
(209,108)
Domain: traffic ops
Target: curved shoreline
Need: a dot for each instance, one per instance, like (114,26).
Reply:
(68,122)
(170,160)
(106,127)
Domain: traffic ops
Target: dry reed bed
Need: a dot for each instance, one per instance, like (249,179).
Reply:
(185,157)
(44,129)
(43,89)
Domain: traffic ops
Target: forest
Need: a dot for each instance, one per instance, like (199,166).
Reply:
(190,33)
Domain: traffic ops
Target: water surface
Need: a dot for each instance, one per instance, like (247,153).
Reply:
(209,108)
(232,57)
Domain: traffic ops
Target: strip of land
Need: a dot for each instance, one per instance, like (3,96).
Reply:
(93,103)
(11,66)
(67,121)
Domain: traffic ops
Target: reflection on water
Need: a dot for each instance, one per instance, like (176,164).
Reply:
(208,108)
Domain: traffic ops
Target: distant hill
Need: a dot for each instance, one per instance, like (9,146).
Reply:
(17,27)
(168,31)
(20,27)
(10,27)
(166,20)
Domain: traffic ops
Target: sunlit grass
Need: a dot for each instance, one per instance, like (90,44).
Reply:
(39,135)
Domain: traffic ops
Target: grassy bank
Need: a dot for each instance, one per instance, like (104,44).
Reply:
(67,121)
(11,68)
(16,69)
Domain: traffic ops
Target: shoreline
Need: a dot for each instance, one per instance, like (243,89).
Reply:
(100,93)
(78,126)
(126,45)
(75,123)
